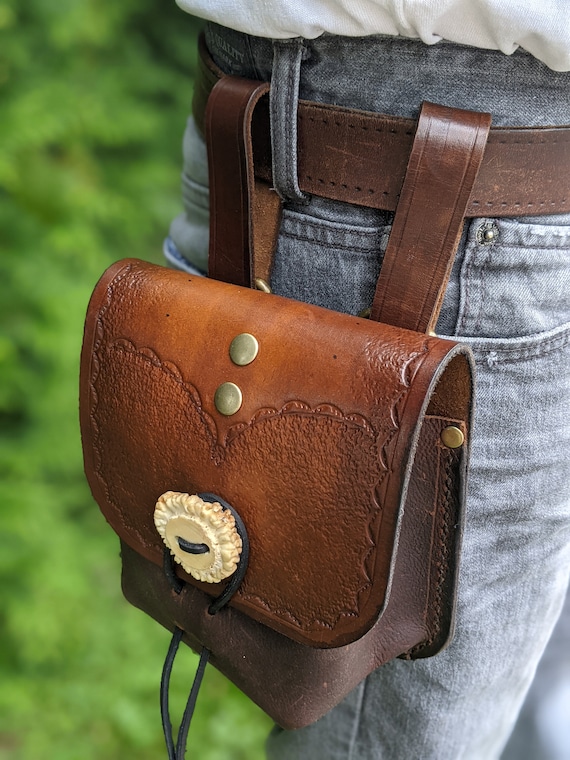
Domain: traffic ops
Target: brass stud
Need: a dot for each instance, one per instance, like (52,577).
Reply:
(452,437)
(243,349)
(228,399)
(262,285)
(365,313)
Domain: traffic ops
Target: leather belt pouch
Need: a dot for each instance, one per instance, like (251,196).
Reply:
(309,464)
(345,461)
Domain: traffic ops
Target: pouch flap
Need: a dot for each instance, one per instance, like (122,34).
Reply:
(316,460)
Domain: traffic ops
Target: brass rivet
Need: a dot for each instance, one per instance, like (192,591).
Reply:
(487,233)
(243,349)
(262,285)
(365,313)
(228,399)
(452,437)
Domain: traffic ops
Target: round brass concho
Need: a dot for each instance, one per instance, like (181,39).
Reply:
(197,522)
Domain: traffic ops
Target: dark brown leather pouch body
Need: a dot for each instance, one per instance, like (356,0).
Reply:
(335,461)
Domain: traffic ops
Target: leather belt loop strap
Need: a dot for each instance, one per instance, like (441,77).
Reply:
(232,183)
(444,162)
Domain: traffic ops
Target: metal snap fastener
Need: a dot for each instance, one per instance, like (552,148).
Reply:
(201,536)
(487,233)
(243,349)
(452,437)
(228,399)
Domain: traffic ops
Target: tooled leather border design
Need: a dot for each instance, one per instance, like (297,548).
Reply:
(219,451)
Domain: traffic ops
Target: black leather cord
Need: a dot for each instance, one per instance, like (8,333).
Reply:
(170,571)
(178,752)
(164,692)
(240,571)
(191,704)
(190,548)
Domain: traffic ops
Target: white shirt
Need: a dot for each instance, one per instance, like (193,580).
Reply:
(541,27)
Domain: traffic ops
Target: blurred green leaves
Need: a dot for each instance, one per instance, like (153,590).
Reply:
(93,99)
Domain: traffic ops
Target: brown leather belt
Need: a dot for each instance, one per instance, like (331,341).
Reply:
(361,157)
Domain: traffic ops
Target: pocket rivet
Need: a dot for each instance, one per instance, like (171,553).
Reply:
(487,233)
(452,437)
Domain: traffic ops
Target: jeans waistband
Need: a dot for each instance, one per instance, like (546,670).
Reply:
(394,75)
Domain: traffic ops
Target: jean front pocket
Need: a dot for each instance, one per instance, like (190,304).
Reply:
(514,279)
(334,264)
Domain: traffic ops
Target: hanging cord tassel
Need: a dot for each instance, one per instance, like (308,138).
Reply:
(179,752)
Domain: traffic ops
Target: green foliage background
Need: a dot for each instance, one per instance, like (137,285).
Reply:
(93,99)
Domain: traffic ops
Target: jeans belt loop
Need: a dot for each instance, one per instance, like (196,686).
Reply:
(283,105)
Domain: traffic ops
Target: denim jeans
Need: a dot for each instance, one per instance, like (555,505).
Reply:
(542,731)
(509,299)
